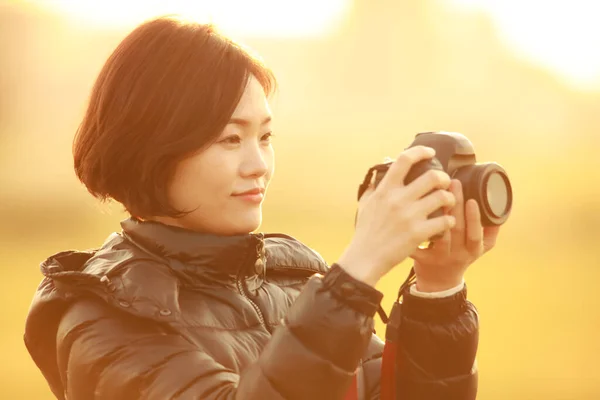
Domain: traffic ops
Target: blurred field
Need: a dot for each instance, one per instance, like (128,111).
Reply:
(346,100)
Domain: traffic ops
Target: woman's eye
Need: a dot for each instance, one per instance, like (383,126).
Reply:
(233,139)
(267,137)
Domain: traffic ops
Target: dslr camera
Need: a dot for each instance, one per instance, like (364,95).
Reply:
(487,183)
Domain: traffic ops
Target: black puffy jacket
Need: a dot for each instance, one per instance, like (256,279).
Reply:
(164,313)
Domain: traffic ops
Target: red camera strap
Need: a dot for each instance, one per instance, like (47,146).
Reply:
(388,371)
(388,390)
(352,393)
(389,361)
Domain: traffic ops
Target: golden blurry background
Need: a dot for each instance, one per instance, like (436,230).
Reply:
(357,80)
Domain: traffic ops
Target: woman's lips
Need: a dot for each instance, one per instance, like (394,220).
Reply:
(253,196)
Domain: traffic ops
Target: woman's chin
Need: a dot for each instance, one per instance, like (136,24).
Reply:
(244,224)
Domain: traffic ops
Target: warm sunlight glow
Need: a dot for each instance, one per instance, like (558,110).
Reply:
(281,18)
(562,35)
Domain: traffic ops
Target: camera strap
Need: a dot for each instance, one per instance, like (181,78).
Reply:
(390,366)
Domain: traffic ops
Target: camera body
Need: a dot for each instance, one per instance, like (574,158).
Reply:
(487,183)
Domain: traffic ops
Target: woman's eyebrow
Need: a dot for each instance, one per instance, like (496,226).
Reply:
(246,122)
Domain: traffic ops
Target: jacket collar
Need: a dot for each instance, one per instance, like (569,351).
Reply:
(222,255)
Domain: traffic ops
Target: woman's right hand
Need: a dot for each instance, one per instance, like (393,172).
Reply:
(393,218)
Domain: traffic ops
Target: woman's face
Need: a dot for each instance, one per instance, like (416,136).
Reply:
(225,183)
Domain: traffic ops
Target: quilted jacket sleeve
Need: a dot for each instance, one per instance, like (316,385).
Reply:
(105,354)
(437,345)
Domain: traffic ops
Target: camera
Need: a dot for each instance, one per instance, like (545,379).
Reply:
(487,183)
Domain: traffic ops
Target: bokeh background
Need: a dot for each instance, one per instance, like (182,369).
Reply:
(358,78)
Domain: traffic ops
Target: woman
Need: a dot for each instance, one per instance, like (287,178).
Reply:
(187,302)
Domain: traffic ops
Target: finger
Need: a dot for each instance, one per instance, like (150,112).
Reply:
(474,227)
(447,209)
(434,226)
(395,175)
(424,184)
(434,201)
(458,211)
(490,235)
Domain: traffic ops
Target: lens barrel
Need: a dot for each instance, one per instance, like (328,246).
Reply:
(489,185)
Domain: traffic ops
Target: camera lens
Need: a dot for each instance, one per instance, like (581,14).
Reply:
(489,185)
(496,190)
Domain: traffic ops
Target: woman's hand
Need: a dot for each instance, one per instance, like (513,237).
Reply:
(442,266)
(392,218)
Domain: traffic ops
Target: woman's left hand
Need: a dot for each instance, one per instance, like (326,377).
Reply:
(442,266)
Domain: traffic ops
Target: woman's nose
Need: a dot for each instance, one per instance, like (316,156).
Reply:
(255,162)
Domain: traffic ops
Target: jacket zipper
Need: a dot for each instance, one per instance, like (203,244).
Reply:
(259,254)
(253,304)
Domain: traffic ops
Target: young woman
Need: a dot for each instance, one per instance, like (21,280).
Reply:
(188,302)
